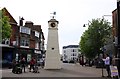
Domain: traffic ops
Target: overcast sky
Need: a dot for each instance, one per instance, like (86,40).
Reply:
(71,14)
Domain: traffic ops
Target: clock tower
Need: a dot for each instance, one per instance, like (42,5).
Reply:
(52,59)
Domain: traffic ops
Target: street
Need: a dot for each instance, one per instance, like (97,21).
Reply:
(68,70)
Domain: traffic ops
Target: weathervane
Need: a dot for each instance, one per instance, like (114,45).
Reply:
(53,14)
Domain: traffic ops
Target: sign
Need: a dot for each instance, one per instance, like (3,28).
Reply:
(114,70)
(38,52)
(28,57)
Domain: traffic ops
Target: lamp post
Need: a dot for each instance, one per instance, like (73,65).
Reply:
(106,16)
(118,34)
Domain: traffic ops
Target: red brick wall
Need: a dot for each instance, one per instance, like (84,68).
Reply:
(114,22)
(32,44)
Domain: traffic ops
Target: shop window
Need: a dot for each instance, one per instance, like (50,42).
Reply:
(37,34)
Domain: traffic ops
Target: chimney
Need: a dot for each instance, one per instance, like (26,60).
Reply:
(21,21)
(29,24)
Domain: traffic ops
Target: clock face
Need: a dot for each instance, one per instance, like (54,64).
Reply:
(53,25)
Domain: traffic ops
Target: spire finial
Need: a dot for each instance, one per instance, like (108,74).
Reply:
(53,15)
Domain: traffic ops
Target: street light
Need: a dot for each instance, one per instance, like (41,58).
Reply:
(106,16)
(103,48)
(84,25)
(103,17)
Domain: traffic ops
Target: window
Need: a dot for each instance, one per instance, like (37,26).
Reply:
(37,34)
(24,30)
(73,54)
(41,46)
(64,51)
(73,50)
(41,37)
(6,41)
(73,58)
(65,56)
(37,45)
(24,42)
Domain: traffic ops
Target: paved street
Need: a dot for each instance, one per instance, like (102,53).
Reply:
(68,70)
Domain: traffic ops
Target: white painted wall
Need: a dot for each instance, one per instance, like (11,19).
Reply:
(68,54)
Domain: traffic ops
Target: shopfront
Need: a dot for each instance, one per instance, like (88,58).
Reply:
(24,52)
(7,53)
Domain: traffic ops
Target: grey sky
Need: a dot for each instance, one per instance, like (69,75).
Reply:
(71,14)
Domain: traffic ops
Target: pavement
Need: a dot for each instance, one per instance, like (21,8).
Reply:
(68,70)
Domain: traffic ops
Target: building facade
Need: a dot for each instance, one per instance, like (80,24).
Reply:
(26,41)
(7,47)
(115,21)
(70,53)
(114,30)
(31,42)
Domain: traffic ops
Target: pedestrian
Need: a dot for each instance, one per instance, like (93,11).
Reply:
(43,63)
(14,62)
(107,64)
(32,64)
(23,62)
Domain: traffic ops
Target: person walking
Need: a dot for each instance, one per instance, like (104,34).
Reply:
(107,64)
(32,63)
(23,62)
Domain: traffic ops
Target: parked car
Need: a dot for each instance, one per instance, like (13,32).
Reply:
(72,61)
(65,61)
(5,64)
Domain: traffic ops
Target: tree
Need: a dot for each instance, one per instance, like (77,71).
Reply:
(6,27)
(0,26)
(95,37)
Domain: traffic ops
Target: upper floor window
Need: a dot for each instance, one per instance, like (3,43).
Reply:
(41,37)
(6,41)
(41,46)
(24,30)
(37,45)
(64,51)
(72,50)
(24,42)
(37,34)
(75,54)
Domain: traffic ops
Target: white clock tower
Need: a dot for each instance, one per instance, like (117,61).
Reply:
(52,59)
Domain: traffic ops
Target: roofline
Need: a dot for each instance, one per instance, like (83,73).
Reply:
(10,15)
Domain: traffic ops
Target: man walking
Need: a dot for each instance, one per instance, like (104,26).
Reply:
(23,62)
(107,63)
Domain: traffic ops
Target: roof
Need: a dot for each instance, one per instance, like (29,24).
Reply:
(53,20)
(12,20)
(71,46)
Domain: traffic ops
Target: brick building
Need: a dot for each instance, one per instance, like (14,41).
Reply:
(114,28)
(115,34)
(7,48)
(25,41)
